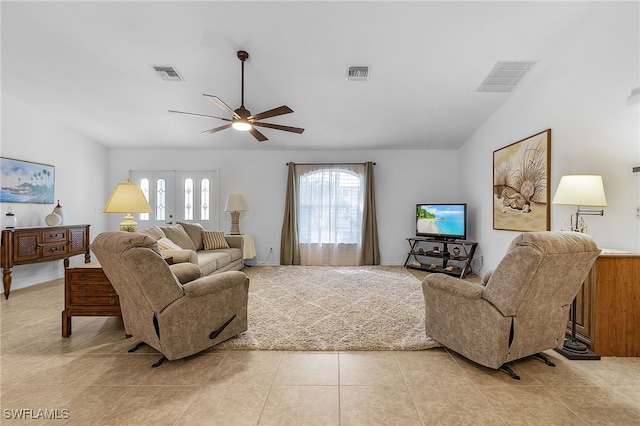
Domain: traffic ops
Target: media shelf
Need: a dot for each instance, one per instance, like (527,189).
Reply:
(434,255)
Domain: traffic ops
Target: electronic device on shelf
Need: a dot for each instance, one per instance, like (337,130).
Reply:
(446,221)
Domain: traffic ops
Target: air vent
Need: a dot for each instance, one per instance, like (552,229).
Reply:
(358,73)
(505,76)
(168,73)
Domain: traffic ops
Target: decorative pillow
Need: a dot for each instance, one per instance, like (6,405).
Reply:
(214,240)
(178,235)
(194,230)
(153,231)
(166,244)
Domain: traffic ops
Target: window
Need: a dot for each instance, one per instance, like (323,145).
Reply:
(144,186)
(188,199)
(330,207)
(160,199)
(330,204)
(179,195)
(204,199)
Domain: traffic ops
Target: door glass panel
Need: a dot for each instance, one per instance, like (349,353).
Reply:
(179,195)
(188,199)
(161,199)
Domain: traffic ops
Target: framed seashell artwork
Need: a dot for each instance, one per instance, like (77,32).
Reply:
(521,174)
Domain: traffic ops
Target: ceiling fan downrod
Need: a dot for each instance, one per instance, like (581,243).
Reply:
(243,56)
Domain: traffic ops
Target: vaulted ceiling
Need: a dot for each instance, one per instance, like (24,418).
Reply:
(90,64)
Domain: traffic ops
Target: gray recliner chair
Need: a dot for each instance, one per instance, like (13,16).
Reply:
(171,307)
(520,309)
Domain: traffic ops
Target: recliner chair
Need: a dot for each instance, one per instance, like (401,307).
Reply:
(178,315)
(520,309)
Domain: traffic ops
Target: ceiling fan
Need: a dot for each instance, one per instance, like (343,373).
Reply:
(241,118)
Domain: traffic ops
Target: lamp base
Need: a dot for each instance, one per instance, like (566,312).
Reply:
(576,350)
(128,224)
(235,223)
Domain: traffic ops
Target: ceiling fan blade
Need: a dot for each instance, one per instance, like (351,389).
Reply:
(256,134)
(216,100)
(199,115)
(279,127)
(272,113)
(217,129)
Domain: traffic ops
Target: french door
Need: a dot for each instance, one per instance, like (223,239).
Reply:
(179,196)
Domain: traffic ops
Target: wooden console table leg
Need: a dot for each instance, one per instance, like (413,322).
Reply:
(6,281)
(66,324)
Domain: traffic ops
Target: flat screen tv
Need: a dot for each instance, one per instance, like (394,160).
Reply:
(442,221)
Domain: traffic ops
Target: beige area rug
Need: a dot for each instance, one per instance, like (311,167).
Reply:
(323,308)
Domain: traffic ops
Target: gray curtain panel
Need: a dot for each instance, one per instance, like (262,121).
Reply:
(289,248)
(370,252)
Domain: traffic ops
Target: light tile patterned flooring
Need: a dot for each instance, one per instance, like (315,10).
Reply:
(91,379)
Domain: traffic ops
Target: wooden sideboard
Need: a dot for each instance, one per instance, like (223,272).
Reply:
(24,246)
(608,306)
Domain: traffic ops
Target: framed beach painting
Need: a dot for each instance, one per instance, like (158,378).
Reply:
(26,182)
(521,198)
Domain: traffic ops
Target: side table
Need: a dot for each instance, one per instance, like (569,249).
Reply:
(87,292)
(248,247)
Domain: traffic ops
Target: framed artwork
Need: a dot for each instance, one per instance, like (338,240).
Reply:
(521,199)
(26,182)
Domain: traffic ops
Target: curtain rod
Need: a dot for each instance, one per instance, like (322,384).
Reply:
(326,164)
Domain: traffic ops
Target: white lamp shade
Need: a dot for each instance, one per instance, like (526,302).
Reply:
(580,190)
(235,203)
(127,198)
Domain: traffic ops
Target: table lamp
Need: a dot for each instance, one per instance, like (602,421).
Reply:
(587,191)
(127,198)
(234,205)
(581,191)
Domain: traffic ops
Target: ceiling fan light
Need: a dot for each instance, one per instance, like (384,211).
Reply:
(241,125)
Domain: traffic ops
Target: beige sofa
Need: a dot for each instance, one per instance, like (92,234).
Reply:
(187,242)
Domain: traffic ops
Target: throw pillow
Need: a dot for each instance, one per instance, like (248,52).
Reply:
(152,231)
(194,230)
(214,240)
(166,244)
(178,235)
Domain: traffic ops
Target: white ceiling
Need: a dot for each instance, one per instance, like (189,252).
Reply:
(89,65)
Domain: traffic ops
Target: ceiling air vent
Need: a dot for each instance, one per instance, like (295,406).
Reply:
(505,76)
(168,73)
(358,73)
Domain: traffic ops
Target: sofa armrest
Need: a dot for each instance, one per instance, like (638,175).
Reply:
(235,241)
(214,283)
(181,256)
(452,285)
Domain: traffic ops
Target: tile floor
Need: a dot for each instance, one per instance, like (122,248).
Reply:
(89,378)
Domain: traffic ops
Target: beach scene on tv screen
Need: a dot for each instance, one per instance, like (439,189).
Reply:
(440,219)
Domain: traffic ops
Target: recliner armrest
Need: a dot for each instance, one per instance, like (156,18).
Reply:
(449,284)
(214,283)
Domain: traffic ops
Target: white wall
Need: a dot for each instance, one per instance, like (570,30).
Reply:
(581,94)
(402,179)
(80,168)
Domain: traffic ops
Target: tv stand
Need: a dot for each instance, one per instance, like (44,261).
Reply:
(451,257)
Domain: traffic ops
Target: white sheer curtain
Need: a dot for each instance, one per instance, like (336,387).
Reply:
(330,204)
